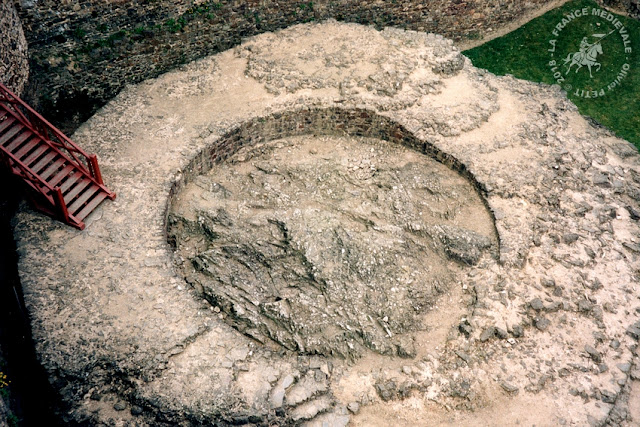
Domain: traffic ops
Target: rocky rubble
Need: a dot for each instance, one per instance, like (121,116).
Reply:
(4,413)
(540,311)
(284,233)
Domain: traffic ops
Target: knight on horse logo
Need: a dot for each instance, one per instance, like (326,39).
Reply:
(595,25)
(587,55)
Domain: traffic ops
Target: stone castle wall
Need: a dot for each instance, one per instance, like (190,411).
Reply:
(631,7)
(84,52)
(14,68)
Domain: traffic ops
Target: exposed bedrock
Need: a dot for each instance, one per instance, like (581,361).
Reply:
(326,245)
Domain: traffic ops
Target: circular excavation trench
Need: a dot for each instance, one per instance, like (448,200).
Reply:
(328,245)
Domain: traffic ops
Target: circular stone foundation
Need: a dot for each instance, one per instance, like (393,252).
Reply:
(328,245)
(530,222)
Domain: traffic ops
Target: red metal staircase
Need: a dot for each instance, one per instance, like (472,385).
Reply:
(66,181)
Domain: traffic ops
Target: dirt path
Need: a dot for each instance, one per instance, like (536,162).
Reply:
(469,44)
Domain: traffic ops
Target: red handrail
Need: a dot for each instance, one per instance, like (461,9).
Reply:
(49,132)
(65,150)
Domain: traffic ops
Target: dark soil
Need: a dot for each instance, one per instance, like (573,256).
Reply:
(30,395)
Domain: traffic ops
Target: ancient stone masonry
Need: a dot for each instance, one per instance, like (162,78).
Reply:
(631,7)
(14,71)
(14,68)
(215,288)
(84,52)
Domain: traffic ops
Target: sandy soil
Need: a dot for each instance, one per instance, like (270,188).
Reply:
(469,44)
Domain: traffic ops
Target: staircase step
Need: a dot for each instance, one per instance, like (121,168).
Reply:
(33,157)
(55,167)
(26,148)
(91,205)
(44,165)
(6,137)
(84,197)
(19,140)
(71,179)
(6,123)
(61,175)
(81,185)
(44,161)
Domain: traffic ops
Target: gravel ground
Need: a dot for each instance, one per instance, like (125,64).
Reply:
(549,322)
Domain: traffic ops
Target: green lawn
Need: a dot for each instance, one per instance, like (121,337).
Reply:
(533,52)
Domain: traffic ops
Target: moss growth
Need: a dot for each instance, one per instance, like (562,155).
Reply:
(206,10)
(79,33)
(4,382)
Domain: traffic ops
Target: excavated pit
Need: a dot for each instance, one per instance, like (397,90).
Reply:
(329,245)
(542,330)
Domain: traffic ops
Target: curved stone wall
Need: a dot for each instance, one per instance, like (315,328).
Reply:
(293,297)
(631,7)
(14,66)
(327,121)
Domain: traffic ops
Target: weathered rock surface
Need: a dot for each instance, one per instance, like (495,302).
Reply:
(14,61)
(328,245)
(116,323)
(4,413)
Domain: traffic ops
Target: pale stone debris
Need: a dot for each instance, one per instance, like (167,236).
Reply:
(533,335)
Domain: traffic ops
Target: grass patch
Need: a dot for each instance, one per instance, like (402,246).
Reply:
(610,95)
